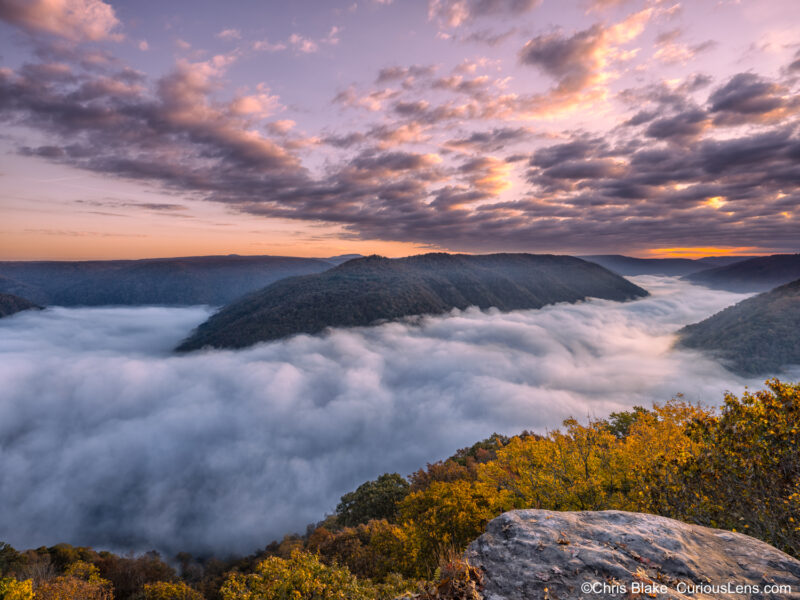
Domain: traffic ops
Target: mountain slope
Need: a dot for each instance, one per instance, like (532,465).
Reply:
(758,336)
(722,261)
(754,275)
(10,304)
(630,266)
(212,280)
(362,291)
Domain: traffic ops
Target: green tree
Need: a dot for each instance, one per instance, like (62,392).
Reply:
(373,500)
(10,559)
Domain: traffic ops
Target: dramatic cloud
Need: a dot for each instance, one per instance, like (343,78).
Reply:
(579,61)
(453,13)
(545,147)
(107,439)
(76,20)
(750,98)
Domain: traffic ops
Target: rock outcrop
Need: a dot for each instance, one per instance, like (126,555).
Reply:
(527,554)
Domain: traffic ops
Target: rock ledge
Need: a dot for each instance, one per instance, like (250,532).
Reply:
(527,554)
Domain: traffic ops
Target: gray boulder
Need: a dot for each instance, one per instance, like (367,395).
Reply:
(527,554)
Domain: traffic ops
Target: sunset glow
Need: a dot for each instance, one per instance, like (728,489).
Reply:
(701,252)
(312,129)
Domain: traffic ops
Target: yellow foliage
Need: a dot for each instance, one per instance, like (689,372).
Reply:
(67,587)
(447,516)
(84,570)
(587,467)
(166,590)
(746,471)
(11,589)
(300,577)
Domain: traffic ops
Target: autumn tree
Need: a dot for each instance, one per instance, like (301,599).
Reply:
(745,475)
(447,516)
(168,590)
(301,577)
(11,589)
(81,580)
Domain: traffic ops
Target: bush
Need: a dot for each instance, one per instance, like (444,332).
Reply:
(167,590)
(11,589)
(301,577)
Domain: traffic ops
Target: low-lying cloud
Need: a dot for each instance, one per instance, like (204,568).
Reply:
(107,439)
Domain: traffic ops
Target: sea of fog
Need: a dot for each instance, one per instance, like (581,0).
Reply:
(107,439)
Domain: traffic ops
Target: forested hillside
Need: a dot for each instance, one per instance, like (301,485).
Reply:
(366,290)
(758,336)
(211,280)
(10,304)
(630,266)
(754,275)
(736,468)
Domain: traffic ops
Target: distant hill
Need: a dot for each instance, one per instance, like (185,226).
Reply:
(10,304)
(753,275)
(630,266)
(341,258)
(722,261)
(214,280)
(366,290)
(758,336)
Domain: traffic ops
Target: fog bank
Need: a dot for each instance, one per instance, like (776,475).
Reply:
(107,439)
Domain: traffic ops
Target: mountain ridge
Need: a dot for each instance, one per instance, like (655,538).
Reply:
(374,288)
(11,304)
(214,280)
(676,267)
(757,336)
(757,274)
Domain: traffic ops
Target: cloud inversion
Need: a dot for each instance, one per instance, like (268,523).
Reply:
(108,440)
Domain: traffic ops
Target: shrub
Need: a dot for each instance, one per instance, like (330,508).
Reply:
(301,577)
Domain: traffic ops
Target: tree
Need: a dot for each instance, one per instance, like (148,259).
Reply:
(168,590)
(80,580)
(447,516)
(11,589)
(598,466)
(373,500)
(301,577)
(619,423)
(10,559)
(746,474)
(129,574)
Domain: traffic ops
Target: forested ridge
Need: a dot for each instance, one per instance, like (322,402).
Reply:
(735,467)
(10,304)
(363,291)
(757,274)
(189,280)
(758,336)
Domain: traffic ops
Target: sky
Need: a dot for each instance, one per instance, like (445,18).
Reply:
(225,450)
(310,128)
